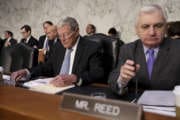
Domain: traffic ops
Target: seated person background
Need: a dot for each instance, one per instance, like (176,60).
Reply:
(43,38)
(28,39)
(90,29)
(173,30)
(9,40)
(152,60)
(52,38)
(112,32)
(114,35)
(73,60)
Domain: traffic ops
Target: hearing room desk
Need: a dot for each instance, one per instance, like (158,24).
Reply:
(22,104)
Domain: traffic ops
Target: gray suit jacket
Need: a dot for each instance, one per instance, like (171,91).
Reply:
(166,70)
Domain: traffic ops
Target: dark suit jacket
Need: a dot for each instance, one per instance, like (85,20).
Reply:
(87,63)
(32,42)
(166,68)
(41,41)
(51,44)
(12,41)
(1,44)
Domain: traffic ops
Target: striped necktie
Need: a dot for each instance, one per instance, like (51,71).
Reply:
(150,61)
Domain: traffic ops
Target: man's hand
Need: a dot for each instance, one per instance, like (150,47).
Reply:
(64,80)
(128,71)
(18,74)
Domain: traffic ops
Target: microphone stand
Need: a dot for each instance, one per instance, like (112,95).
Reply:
(135,77)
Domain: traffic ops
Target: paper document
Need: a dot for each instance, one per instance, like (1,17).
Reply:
(160,102)
(168,111)
(157,98)
(6,77)
(43,85)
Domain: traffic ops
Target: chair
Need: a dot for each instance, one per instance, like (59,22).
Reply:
(108,51)
(5,59)
(17,57)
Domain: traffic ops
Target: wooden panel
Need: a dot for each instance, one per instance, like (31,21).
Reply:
(33,105)
(22,104)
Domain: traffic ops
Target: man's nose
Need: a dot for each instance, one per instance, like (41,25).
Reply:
(152,31)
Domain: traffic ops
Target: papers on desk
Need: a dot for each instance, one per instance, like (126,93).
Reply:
(43,85)
(6,77)
(161,102)
(157,98)
(168,111)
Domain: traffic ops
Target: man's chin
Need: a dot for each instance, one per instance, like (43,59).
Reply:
(152,44)
(66,46)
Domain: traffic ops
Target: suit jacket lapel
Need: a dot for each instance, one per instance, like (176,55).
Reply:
(141,59)
(78,55)
(60,57)
(162,59)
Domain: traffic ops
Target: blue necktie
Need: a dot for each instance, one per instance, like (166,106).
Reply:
(150,61)
(66,62)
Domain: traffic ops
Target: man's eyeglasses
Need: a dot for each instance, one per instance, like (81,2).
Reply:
(66,35)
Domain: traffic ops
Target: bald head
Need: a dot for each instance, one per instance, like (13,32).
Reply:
(52,32)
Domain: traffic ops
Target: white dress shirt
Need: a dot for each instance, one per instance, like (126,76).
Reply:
(73,53)
(45,43)
(27,40)
(7,42)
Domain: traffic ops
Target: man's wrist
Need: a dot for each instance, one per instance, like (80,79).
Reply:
(121,82)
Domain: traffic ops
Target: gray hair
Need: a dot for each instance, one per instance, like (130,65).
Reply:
(150,9)
(69,21)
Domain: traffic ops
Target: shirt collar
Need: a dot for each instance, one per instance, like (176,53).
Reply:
(146,49)
(9,39)
(27,40)
(55,40)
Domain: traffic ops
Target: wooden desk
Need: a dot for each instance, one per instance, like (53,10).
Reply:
(22,104)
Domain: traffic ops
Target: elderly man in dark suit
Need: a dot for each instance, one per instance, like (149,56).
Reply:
(73,60)
(28,39)
(152,60)
(52,38)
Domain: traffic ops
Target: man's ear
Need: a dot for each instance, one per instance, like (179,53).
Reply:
(77,32)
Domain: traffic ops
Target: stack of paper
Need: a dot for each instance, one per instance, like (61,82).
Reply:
(162,102)
(43,85)
(6,77)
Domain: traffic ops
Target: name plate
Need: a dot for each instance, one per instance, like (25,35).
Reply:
(102,108)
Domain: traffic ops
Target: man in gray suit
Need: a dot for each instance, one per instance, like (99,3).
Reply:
(152,61)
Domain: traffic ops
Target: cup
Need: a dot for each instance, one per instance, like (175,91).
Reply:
(176,91)
(99,95)
(1,72)
(41,55)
